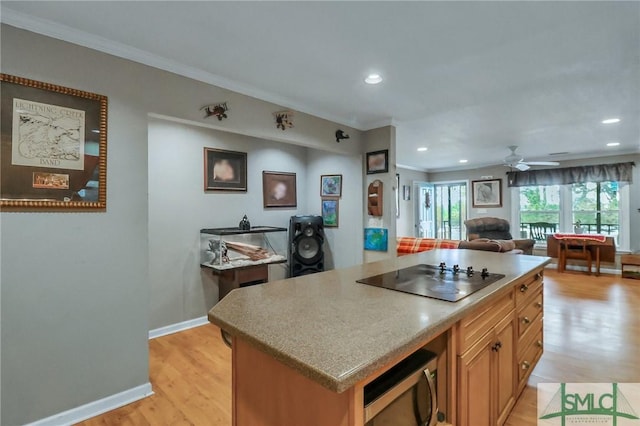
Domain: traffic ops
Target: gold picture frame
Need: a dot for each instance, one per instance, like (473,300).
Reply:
(53,147)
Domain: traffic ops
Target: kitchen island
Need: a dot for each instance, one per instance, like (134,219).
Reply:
(303,348)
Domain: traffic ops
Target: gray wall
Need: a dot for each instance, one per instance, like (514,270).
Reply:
(405,224)
(75,286)
(179,208)
(375,140)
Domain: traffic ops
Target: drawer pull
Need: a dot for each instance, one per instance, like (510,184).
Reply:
(538,276)
(526,365)
(524,288)
(497,346)
(526,320)
(539,343)
(538,304)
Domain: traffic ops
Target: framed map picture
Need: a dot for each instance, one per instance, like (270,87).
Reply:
(53,145)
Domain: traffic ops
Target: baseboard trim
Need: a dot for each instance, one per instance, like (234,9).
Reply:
(181,326)
(584,269)
(96,408)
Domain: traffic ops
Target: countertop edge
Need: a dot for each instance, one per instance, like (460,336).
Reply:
(345,382)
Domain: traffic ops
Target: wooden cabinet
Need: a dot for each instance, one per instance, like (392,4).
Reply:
(498,346)
(529,308)
(486,377)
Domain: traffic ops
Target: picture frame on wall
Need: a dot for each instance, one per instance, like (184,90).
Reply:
(225,170)
(330,212)
(378,162)
(279,189)
(331,186)
(486,193)
(53,147)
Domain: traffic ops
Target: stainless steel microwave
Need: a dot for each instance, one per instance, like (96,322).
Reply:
(405,395)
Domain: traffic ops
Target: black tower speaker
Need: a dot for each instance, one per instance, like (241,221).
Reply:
(306,236)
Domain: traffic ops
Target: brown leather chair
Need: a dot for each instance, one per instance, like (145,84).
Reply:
(495,228)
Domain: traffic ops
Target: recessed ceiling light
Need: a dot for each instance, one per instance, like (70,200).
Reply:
(611,121)
(373,79)
(422,149)
(464,161)
(613,143)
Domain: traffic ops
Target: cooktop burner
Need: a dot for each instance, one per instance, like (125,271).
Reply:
(438,282)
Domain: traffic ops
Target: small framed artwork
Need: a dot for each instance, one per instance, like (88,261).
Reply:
(279,189)
(406,192)
(486,193)
(376,239)
(330,212)
(331,186)
(53,153)
(225,170)
(378,162)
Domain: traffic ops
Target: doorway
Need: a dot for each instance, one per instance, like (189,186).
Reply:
(441,210)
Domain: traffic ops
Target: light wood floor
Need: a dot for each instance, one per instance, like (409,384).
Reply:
(592,334)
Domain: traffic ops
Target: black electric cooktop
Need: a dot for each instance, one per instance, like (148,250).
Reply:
(438,282)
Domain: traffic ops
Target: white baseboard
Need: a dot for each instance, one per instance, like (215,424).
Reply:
(174,328)
(96,408)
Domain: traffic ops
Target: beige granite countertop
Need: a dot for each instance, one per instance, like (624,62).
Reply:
(338,332)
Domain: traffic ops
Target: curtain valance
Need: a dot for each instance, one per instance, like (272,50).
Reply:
(616,172)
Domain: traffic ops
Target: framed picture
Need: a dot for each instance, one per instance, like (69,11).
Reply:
(225,170)
(331,186)
(330,212)
(406,192)
(53,147)
(279,189)
(376,239)
(378,162)
(486,193)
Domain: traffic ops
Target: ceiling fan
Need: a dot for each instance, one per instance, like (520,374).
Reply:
(516,161)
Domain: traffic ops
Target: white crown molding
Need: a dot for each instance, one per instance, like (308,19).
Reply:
(96,408)
(62,32)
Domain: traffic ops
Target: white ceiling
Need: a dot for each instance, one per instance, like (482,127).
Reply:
(465,79)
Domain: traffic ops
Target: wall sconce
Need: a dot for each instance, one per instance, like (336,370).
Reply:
(218,110)
(340,134)
(284,119)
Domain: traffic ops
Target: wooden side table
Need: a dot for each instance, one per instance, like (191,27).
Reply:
(630,260)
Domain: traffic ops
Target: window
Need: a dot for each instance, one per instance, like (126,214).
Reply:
(594,208)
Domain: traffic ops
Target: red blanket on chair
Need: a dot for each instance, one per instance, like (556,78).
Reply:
(590,237)
(409,245)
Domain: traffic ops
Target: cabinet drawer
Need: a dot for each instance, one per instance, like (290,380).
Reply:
(527,361)
(528,287)
(528,313)
(475,325)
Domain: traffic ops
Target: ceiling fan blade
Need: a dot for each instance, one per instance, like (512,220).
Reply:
(542,163)
(521,166)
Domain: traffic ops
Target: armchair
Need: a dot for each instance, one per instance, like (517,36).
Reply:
(495,229)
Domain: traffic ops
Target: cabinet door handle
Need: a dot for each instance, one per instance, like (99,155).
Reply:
(496,347)
(526,365)
(539,343)
(538,276)
(524,288)
(526,320)
(538,304)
